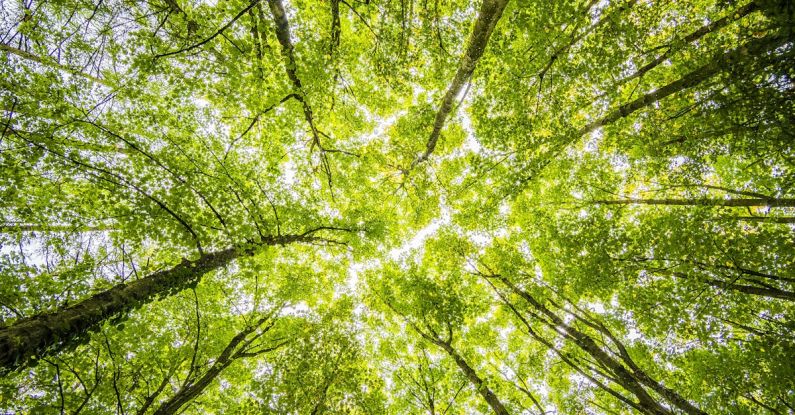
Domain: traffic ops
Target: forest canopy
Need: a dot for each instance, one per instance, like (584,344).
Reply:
(397,207)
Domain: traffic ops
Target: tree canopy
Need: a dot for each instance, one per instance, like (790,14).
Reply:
(397,207)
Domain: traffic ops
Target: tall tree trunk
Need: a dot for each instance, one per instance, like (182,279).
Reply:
(474,379)
(151,398)
(639,373)
(566,358)
(772,202)
(336,31)
(50,333)
(234,350)
(488,16)
(623,376)
(767,219)
(447,345)
(766,291)
(692,37)
(282,26)
(756,48)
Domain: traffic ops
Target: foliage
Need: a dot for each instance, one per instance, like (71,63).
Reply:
(355,207)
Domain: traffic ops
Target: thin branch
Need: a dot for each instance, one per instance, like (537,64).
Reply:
(214,35)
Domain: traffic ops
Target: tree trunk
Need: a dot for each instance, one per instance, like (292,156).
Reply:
(772,202)
(468,371)
(563,356)
(282,26)
(768,219)
(623,376)
(50,333)
(475,380)
(231,352)
(637,372)
(755,48)
(488,16)
(692,37)
(771,292)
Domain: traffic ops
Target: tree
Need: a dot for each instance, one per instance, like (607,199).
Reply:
(365,207)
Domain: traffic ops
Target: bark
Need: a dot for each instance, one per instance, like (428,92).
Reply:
(488,16)
(639,373)
(482,389)
(769,219)
(151,398)
(754,48)
(52,64)
(49,333)
(623,376)
(233,351)
(692,37)
(667,393)
(474,379)
(757,48)
(568,359)
(768,291)
(733,272)
(772,202)
(335,26)
(746,271)
(283,35)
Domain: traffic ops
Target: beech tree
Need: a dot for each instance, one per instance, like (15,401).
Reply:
(378,207)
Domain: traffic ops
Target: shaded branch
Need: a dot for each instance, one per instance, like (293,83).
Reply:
(213,36)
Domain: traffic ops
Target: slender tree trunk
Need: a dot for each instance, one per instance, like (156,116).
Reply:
(488,16)
(482,389)
(335,27)
(755,48)
(234,350)
(623,376)
(768,219)
(567,358)
(692,37)
(283,35)
(639,373)
(771,292)
(772,202)
(33,227)
(50,333)
(474,379)
(52,64)
(151,398)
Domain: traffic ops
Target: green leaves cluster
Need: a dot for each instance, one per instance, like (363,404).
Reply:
(604,226)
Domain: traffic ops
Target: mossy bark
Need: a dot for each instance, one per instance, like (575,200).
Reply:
(51,332)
